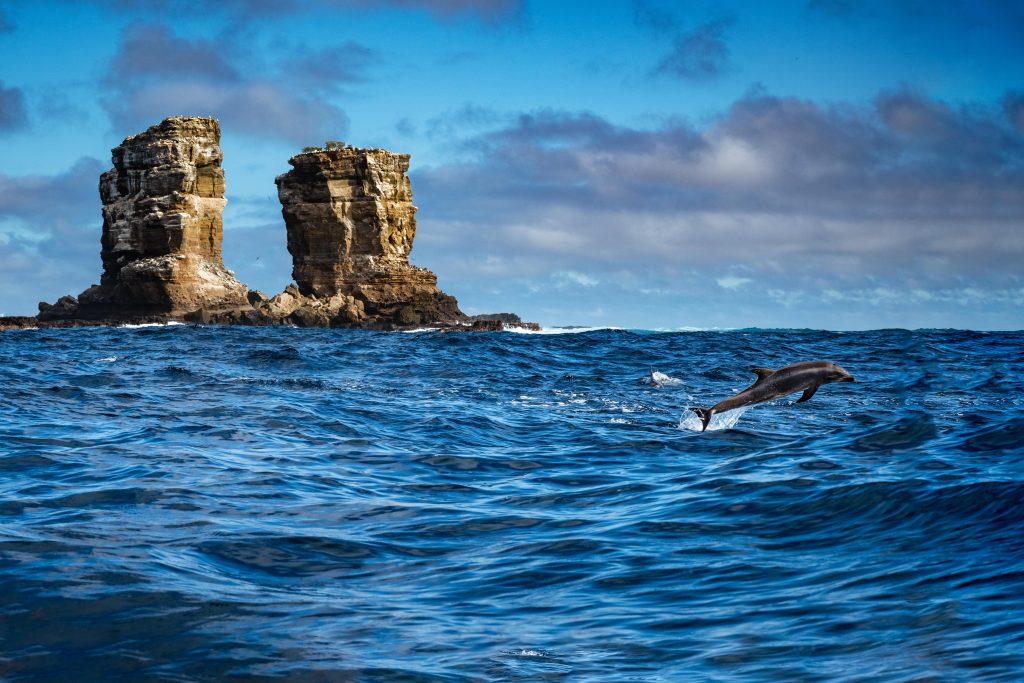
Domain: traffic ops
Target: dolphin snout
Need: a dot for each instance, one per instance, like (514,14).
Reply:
(841,375)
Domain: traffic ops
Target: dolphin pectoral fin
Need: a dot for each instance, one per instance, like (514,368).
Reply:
(704,415)
(762,373)
(807,395)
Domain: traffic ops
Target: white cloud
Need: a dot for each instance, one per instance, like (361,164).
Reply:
(732,282)
(779,189)
(156,73)
(572,277)
(731,161)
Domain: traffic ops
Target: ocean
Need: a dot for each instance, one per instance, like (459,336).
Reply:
(264,504)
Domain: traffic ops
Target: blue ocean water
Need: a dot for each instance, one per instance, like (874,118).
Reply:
(221,504)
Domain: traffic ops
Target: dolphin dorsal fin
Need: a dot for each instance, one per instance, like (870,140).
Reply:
(762,373)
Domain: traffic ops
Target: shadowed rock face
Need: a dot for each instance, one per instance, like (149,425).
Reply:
(162,227)
(351,225)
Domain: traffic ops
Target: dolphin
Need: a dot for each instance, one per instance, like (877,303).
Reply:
(772,384)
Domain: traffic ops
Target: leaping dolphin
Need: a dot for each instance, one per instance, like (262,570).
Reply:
(772,384)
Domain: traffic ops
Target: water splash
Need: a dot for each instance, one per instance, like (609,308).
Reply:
(660,379)
(726,420)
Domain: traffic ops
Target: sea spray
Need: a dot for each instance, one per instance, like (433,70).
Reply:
(719,421)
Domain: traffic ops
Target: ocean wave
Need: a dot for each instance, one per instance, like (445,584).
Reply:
(562,330)
(268,503)
(139,326)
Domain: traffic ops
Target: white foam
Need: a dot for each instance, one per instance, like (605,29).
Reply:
(140,325)
(719,421)
(687,328)
(109,359)
(579,330)
(518,330)
(660,379)
(558,330)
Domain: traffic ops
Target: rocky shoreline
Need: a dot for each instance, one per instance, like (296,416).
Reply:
(350,225)
(491,322)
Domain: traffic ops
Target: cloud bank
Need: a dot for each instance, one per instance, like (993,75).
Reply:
(47,247)
(156,73)
(907,192)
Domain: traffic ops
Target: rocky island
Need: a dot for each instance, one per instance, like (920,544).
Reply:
(162,230)
(350,225)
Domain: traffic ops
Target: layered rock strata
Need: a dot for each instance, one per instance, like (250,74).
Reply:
(162,229)
(351,225)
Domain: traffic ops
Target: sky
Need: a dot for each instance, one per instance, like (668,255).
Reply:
(829,164)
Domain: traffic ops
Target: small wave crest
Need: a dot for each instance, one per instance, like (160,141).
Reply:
(562,330)
(515,329)
(660,379)
(139,326)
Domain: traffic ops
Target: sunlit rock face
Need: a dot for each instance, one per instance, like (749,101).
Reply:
(162,226)
(351,225)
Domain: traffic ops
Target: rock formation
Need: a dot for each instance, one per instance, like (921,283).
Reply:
(351,225)
(162,229)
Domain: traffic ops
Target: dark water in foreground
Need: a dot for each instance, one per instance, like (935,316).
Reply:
(183,504)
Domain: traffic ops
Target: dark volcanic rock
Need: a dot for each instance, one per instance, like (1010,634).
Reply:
(507,318)
(17,322)
(66,307)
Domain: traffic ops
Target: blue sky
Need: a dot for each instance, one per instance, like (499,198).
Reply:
(824,163)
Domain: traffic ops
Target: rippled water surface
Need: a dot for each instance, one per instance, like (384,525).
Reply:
(210,504)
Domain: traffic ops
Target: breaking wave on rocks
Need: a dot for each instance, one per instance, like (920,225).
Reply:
(218,504)
(514,329)
(137,326)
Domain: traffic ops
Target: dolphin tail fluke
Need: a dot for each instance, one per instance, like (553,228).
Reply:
(704,415)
